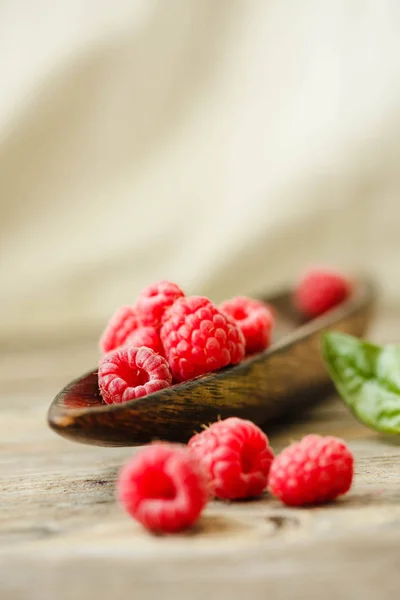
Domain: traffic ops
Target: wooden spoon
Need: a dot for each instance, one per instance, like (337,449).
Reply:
(278,381)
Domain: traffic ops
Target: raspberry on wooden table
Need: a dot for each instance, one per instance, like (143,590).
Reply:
(237,457)
(254,319)
(198,338)
(319,290)
(121,325)
(129,373)
(154,300)
(163,487)
(145,336)
(317,469)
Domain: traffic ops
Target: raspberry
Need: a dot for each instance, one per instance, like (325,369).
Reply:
(315,470)
(154,300)
(145,336)
(237,457)
(121,325)
(163,487)
(254,320)
(198,338)
(128,373)
(319,290)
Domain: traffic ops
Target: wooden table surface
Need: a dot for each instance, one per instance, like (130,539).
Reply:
(63,536)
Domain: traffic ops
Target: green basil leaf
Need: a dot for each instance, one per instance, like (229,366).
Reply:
(367,377)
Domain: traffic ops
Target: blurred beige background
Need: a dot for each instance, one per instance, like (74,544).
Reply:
(220,144)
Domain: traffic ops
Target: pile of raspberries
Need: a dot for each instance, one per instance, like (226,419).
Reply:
(167,337)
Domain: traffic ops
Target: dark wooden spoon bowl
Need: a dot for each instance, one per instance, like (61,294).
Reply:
(280,380)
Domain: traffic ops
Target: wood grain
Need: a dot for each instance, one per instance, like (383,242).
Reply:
(63,536)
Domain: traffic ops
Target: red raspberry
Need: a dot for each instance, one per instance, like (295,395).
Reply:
(237,457)
(121,325)
(198,338)
(315,470)
(254,320)
(163,487)
(319,290)
(154,301)
(146,336)
(128,373)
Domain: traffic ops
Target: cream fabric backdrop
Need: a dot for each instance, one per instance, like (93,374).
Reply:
(222,144)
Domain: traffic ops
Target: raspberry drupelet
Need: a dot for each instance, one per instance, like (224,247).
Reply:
(317,469)
(163,487)
(129,373)
(198,338)
(237,457)
(154,300)
(254,319)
